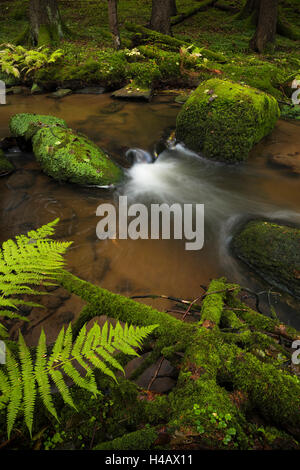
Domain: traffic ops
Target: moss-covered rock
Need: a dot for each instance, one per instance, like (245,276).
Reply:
(68,156)
(26,125)
(6,166)
(224,120)
(273,251)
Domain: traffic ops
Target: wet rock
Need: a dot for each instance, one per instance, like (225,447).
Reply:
(133,92)
(21,180)
(182,98)
(113,107)
(290,161)
(17,90)
(224,120)
(66,317)
(52,301)
(60,93)
(273,252)
(134,364)
(91,91)
(7,143)
(162,385)
(16,201)
(25,125)
(164,380)
(6,167)
(36,89)
(68,156)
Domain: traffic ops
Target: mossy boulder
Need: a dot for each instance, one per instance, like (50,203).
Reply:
(68,156)
(224,120)
(273,251)
(6,166)
(25,125)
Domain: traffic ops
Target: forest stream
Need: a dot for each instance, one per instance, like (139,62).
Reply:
(230,193)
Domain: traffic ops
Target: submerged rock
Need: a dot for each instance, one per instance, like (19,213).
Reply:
(61,93)
(6,166)
(290,162)
(133,92)
(68,156)
(273,251)
(25,125)
(92,90)
(224,120)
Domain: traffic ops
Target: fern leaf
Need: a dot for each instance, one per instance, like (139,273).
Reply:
(16,386)
(41,374)
(28,379)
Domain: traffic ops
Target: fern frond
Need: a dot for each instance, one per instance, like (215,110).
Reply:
(16,390)
(28,379)
(20,384)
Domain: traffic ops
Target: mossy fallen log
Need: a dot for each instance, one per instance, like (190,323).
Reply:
(192,11)
(222,380)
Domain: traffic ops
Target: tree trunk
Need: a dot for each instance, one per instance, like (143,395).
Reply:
(249,8)
(173,8)
(45,22)
(266,27)
(161,16)
(113,22)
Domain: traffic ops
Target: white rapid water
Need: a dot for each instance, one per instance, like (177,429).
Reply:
(181,176)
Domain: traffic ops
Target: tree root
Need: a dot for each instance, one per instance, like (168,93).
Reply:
(228,375)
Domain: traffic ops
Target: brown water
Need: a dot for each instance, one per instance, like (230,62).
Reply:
(149,266)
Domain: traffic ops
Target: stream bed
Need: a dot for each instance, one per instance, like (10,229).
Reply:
(230,194)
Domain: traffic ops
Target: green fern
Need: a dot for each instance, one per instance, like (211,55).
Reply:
(23,378)
(30,260)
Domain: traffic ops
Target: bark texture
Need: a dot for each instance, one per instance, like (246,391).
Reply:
(161,16)
(266,27)
(113,22)
(45,22)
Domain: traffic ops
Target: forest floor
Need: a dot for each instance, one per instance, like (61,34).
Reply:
(214,29)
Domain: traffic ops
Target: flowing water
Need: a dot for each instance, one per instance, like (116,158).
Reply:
(230,194)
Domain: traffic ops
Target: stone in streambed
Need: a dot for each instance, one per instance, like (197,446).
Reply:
(224,120)
(290,162)
(61,93)
(25,125)
(22,179)
(92,90)
(273,251)
(68,156)
(133,92)
(6,167)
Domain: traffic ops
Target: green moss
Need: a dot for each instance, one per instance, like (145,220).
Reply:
(225,119)
(137,440)
(26,125)
(108,68)
(5,165)
(67,156)
(144,74)
(101,301)
(273,251)
(262,75)
(44,38)
(213,303)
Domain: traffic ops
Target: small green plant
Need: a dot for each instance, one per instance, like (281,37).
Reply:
(221,421)
(18,61)
(34,259)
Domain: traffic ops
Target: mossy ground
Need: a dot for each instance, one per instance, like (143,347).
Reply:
(88,56)
(234,389)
